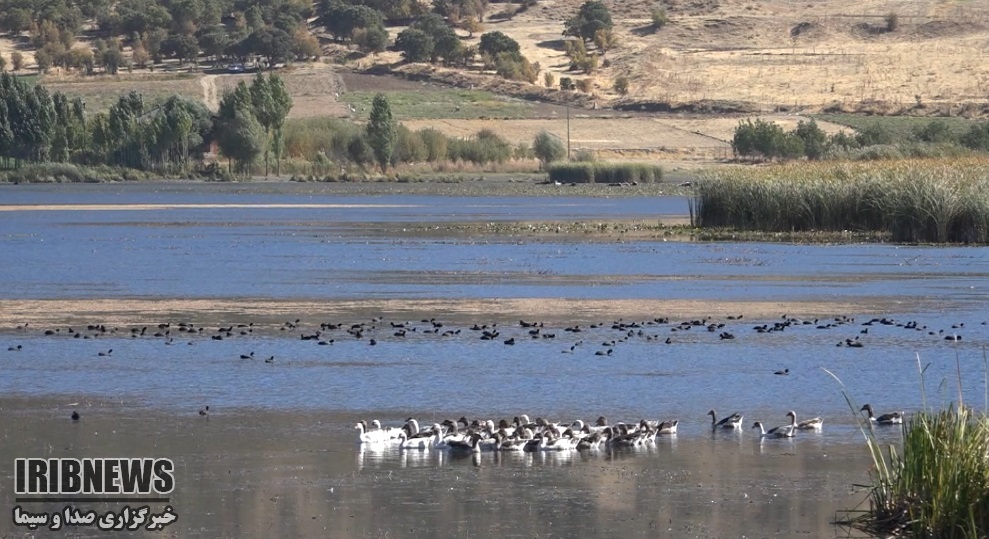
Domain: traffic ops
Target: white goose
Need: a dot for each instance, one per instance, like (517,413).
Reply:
(390,433)
(892,418)
(365,436)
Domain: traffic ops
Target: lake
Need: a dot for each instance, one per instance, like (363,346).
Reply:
(313,244)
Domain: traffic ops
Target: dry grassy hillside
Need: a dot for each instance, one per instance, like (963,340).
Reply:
(807,55)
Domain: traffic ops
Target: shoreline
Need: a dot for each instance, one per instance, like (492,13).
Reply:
(42,314)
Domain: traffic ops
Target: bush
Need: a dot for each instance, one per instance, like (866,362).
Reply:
(16,61)
(936,131)
(659,17)
(484,147)
(409,147)
(585,85)
(875,134)
(766,139)
(814,139)
(435,144)
(605,173)
(621,85)
(566,83)
(549,79)
(548,148)
(977,137)
(892,22)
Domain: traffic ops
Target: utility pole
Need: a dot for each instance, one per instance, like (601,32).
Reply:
(568,131)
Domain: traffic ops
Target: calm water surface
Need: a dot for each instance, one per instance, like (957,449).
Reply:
(353,247)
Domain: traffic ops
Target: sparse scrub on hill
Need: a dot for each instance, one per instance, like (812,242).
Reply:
(659,17)
(621,85)
(585,85)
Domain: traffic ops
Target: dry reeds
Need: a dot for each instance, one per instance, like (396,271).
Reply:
(936,201)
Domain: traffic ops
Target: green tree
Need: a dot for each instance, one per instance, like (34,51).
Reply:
(548,148)
(183,47)
(271,104)
(592,16)
(814,139)
(16,61)
(494,43)
(241,138)
(381,131)
(415,45)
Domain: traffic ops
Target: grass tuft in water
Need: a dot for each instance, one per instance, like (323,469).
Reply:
(938,485)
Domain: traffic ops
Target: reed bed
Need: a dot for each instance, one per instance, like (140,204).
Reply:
(596,172)
(930,201)
(937,485)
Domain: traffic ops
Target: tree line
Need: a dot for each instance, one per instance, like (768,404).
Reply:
(168,137)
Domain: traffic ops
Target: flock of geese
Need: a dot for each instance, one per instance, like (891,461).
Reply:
(524,435)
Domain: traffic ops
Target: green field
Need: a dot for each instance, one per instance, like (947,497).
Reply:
(452,104)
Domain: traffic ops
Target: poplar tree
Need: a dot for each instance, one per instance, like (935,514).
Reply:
(381,131)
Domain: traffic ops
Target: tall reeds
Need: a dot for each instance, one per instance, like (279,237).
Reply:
(600,172)
(937,485)
(913,201)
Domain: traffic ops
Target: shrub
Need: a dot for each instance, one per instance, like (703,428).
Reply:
(16,61)
(621,85)
(435,144)
(766,139)
(585,85)
(977,137)
(892,22)
(549,79)
(409,147)
(548,148)
(936,131)
(874,134)
(566,83)
(659,17)
(484,147)
(815,141)
(584,156)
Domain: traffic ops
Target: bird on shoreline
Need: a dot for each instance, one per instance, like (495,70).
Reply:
(204,411)
(75,415)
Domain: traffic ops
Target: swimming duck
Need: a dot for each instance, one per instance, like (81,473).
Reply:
(892,418)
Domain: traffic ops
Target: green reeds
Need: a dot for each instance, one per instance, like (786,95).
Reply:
(598,172)
(935,201)
(937,486)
